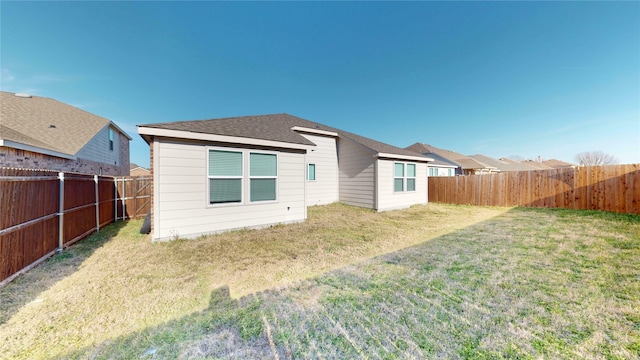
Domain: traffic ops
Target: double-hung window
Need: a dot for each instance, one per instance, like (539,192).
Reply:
(225,177)
(404,177)
(263,176)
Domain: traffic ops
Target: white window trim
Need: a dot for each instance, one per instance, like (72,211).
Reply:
(249,177)
(242,177)
(405,177)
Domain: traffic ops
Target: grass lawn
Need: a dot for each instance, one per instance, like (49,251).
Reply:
(434,281)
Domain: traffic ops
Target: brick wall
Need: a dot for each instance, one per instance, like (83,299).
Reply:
(10,157)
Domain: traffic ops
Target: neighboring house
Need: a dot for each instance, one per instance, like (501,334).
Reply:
(43,133)
(441,166)
(254,171)
(137,170)
(503,164)
(557,164)
(465,165)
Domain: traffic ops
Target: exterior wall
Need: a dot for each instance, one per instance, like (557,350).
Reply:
(391,200)
(97,149)
(357,170)
(181,207)
(10,157)
(325,189)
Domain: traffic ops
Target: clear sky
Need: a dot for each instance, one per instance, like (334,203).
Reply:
(527,79)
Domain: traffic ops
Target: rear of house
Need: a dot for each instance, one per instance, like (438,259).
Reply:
(248,172)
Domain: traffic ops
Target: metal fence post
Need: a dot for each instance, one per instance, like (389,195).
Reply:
(61,213)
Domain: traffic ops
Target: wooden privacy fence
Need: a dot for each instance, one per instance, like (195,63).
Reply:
(613,188)
(42,212)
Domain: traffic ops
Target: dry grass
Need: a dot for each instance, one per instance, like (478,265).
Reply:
(431,281)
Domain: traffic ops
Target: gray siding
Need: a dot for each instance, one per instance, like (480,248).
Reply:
(357,169)
(391,200)
(181,201)
(323,190)
(98,148)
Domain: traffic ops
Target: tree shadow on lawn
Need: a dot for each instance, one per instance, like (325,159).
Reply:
(25,288)
(502,288)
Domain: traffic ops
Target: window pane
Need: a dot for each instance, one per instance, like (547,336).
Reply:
(411,170)
(225,163)
(263,189)
(225,190)
(450,172)
(263,165)
(399,170)
(398,185)
(312,172)
(411,184)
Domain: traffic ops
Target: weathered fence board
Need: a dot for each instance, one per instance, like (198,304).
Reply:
(614,188)
(35,203)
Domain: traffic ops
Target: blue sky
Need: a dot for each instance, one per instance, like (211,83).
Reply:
(527,79)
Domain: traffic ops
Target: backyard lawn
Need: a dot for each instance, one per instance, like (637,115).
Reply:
(435,281)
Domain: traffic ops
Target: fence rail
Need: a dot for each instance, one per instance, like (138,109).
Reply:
(614,188)
(42,212)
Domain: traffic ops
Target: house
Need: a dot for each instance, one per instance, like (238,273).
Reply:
(137,170)
(441,166)
(254,171)
(464,164)
(43,133)
(503,164)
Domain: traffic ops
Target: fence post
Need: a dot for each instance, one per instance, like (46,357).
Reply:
(95,180)
(115,199)
(124,200)
(61,213)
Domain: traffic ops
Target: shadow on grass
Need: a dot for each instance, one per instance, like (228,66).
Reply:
(495,289)
(26,287)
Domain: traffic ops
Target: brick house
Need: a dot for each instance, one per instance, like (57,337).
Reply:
(43,133)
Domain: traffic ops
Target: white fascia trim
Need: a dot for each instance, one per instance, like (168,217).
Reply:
(219,138)
(35,149)
(314,131)
(442,166)
(403,157)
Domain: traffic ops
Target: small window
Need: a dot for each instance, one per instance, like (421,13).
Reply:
(263,173)
(225,177)
(111,139)
(433,171)
(450,172)
(311,172)
(398,177)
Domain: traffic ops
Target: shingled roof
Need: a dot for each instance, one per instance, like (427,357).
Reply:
(274,127)
(465,162)
(47,124)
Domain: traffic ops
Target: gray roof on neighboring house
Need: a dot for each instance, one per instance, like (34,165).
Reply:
(439,160)
(274,127)
(47,123)
(503,165)
(465,162)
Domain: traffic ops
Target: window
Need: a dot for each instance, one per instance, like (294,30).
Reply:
(311,172)
(398,177)
(411,177)
(111,139)
(404,181)
(450,172)
(433,171)
(225,177)
(263,173)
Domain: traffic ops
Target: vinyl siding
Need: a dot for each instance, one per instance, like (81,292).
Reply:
(182,205)
(97,149)
(391,200)
(357,185)
(325,189)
